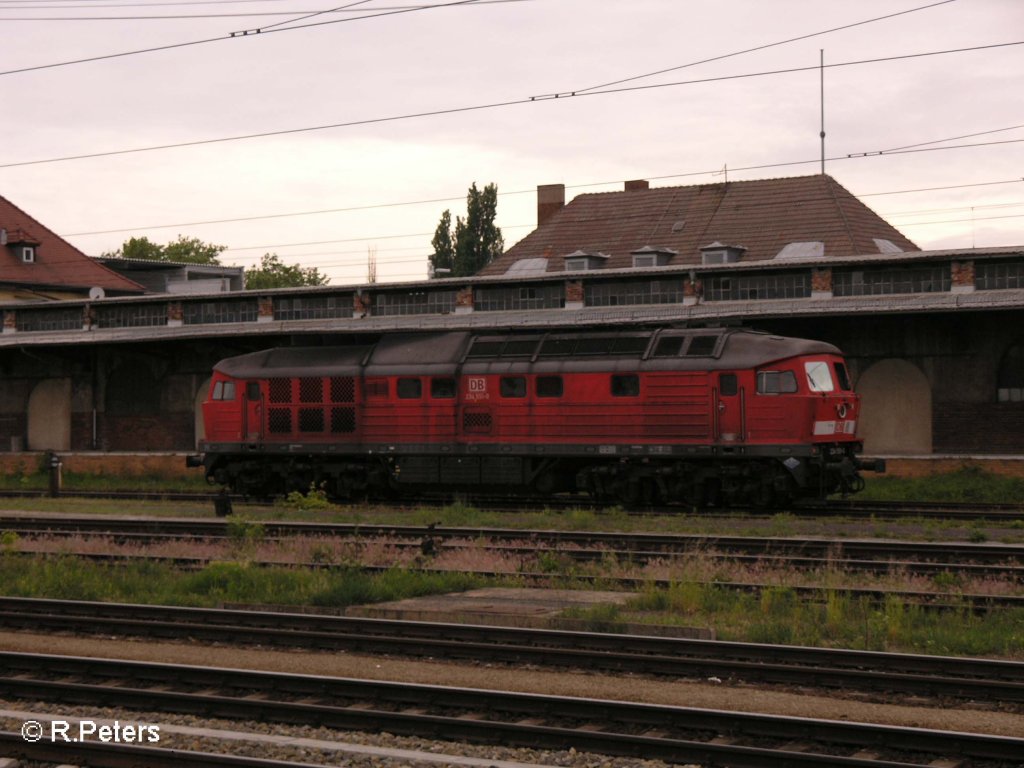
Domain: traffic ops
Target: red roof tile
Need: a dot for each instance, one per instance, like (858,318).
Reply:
(57,262)
(762,216)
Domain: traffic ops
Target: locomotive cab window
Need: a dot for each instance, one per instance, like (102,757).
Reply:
(625,386)
(224,390)
(442,388)
(843,377)
(513,386)
(549,386)
(409,389)
(819,377)
(776,383)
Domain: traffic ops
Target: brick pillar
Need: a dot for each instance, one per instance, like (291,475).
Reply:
(693,289)
(821,283)
(962,275)
(361,303)
(575,297)
(175,314)
(10,321)
(464,300)
(264,309)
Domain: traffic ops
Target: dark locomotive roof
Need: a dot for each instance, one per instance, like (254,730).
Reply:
(296,361)
(421,349)
(435,352)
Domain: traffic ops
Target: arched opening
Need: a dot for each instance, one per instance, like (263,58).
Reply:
(1010,380)
(201,395)
(896,415)
(49,416)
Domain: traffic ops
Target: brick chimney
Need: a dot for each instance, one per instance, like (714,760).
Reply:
(632,186)
(550,200)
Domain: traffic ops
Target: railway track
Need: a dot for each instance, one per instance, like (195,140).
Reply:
(849,670)
(851,507)
(1001,563)
(98,754)
(1004,561)
(675,734)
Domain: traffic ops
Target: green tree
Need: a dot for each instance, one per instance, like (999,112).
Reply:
(476,241)
(192,250)
(139,248)
(442,260)
(187,250)
(273,273)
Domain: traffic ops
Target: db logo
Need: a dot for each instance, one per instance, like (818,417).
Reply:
(477,384)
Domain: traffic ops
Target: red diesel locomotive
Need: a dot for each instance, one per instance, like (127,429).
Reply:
(706,416)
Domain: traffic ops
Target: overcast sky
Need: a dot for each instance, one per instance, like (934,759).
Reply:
(480,63)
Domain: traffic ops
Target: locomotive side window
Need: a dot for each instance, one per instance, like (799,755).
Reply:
(728,385)
(776,383)
(442,388)
(669,346)
(513,386)
(701,345)
(409,389)
(819,378)
(557,347)
(224,390)
(843,377)
(519,348)
(486,348)
(625,386)
(594,345)
(549,386)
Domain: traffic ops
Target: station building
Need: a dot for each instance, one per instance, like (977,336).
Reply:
(933,338)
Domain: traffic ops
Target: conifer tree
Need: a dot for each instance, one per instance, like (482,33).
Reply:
(442,260)
(475,241)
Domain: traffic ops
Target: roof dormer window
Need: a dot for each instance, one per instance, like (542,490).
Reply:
(719,253)
(582,261)
(651,257)
(22,245)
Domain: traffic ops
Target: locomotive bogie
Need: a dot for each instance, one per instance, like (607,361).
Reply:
(696,417)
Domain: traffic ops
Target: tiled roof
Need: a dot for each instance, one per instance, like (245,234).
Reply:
(57,262)
(762,216)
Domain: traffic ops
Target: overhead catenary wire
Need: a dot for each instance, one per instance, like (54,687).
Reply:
(224,37)
(509,103)
(194,16)
(760,47)
(436,200)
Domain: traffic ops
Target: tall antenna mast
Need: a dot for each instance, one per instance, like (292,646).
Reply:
(822,69)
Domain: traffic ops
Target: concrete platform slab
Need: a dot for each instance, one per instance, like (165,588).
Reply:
(510,607)
(494,605)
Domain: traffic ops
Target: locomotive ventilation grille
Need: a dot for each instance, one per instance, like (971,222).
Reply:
(299,406)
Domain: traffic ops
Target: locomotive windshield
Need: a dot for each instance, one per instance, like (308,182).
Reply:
(819,378)
(223,390)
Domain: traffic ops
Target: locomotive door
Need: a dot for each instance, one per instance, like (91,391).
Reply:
(253,426)
(729,409)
